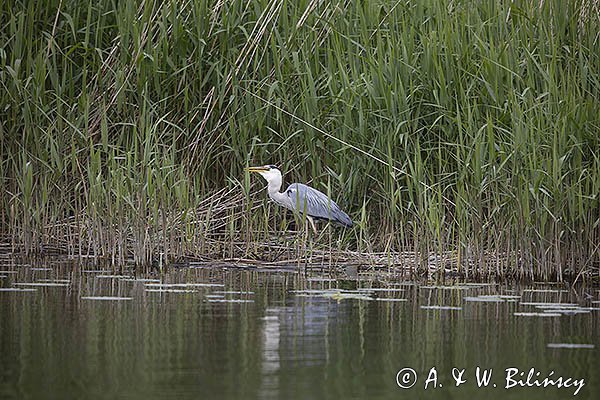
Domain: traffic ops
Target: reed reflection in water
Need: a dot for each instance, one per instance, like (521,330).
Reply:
(230,334)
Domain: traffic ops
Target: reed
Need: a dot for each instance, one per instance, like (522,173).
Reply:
(469,128)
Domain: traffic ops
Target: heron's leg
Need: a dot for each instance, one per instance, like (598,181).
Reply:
(305,233)
(312,223)
(305,247)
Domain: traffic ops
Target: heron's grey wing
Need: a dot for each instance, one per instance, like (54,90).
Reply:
(315,204)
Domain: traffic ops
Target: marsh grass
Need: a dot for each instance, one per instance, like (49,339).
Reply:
(443,127)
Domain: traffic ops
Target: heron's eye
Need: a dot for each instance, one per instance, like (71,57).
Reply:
(272,167)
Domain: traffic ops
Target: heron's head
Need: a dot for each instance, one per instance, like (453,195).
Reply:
(270,172)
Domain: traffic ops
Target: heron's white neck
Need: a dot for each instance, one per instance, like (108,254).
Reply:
(274,185)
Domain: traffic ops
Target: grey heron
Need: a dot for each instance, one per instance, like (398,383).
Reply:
(302,199)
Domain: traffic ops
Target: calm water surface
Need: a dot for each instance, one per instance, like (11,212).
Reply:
(250,334)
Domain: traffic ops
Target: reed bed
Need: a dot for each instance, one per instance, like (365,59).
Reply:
(442,127)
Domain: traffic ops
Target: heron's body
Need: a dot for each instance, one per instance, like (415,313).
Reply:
(302,199)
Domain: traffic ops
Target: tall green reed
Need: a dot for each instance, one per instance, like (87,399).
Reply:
(441,126)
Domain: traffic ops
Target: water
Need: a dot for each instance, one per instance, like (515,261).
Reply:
(212,333)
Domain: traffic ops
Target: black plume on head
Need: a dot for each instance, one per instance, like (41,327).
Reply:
(273,167)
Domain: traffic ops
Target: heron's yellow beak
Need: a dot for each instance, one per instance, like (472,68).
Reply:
(257,169)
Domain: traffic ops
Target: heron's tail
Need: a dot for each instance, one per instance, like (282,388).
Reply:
(344,219)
